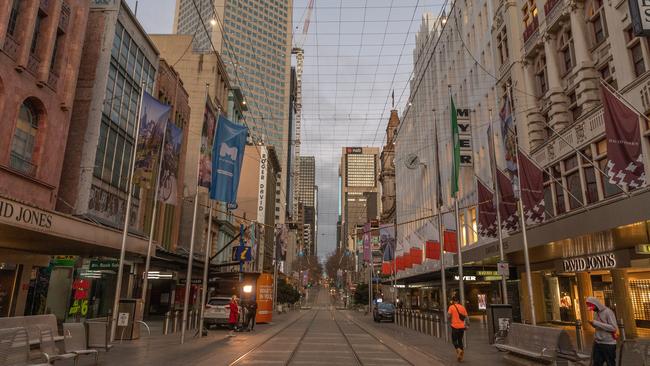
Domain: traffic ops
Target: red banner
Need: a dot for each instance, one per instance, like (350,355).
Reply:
(387,268)
(400,262)
(624,159)
(416,255)
(508,202)
(432,250)
(532,190)
(449,244)
(487,214)
(408,263)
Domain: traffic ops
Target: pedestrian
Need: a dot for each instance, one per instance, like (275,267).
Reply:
(234,315)
(458,315)
(604,349)
(252,313)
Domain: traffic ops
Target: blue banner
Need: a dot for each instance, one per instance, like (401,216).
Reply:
(227,158)
(153,122)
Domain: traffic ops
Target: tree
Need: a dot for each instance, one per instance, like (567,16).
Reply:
(361,294)
(287,294)
(340,259)
(312,265)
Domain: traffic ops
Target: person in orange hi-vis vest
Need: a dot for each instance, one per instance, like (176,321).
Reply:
(458,316)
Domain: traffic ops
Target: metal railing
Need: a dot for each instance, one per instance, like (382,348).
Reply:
(426,323)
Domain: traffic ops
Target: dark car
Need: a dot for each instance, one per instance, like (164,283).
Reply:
(384,311)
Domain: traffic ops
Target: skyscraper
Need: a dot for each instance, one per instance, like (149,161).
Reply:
(306,197)
(254,38)
(360,202)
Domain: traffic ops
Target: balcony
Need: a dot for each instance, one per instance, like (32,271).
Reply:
(64,20)
(531,35)
(44,6)
(53,80)
(32,64)
(586,129)
(552,12)
(10,47)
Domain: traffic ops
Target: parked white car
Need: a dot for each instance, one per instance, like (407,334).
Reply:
(217,311)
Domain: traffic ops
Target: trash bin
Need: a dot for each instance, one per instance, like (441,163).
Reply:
(499,318)
(129,313)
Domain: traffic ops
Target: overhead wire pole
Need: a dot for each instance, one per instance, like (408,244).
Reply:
(522,218)
(443,278)
(497,195)
(127,218)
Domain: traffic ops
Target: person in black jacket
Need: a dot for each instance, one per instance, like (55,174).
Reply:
(251,313)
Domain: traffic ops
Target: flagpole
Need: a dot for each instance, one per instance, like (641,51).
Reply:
(190,257)
(522,218)
(206,267)
(125,230)
(459,253)
(497,196)
(443,279)
(145,283)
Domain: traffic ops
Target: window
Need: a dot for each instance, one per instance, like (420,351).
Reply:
(37,33)
(565,46)
(574,186)
(609,189)
(55,51)
(636,53)
(541,75)
(22,147)
(598,22)
(502,46)
(574,108)
(529,12)
(605,72)
(591,185)
(548,195)
(13,18)
(559,190)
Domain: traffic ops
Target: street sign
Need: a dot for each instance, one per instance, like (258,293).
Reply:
(104,264)
(123,319)
(503,269)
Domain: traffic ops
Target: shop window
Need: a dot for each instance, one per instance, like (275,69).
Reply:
(640,298)
(24,140)
(636,52)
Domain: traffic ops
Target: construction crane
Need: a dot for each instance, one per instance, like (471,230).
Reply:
(299,41)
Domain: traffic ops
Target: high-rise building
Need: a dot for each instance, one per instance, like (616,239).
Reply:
(387,176)
(307,182)
(360,202)
(254,38)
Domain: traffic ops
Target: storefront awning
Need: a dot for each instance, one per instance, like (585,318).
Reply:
(27,228)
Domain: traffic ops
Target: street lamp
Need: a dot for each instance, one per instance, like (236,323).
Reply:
(248,289)
(213,22)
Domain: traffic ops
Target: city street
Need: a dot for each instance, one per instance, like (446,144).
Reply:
(316,335)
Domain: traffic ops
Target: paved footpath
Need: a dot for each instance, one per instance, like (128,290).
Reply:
(477,351)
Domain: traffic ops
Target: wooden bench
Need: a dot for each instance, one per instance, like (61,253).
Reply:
(529,344)
(33,324)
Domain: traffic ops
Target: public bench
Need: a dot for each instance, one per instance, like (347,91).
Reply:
(98,332)
(529,344)
(33,324)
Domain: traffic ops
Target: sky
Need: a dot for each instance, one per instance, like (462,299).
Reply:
(357,52)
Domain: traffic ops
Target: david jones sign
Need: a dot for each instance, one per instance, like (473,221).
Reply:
(589,263)
(25,215)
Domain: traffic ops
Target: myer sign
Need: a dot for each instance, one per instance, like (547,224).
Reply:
(594,262)
(465,137)
(640,12)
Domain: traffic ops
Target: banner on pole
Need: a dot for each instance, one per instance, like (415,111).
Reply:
(281,242)
(532,190)
(168,188)
(508,136)
(207,141)
(387,241)
(508,202)
(153,122)
(228,156)
(367,253)
(624,159)
(487,214)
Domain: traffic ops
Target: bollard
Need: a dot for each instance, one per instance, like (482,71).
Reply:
(166,323)
(410,317)
(175,321)
(420,322)
(437,326)
(417,322)
(431,332)
(621,329)
(579,336)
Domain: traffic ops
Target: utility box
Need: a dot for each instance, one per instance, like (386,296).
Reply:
(499,319)
(129,313)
